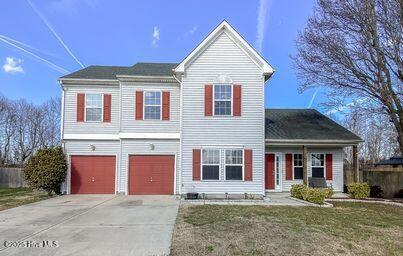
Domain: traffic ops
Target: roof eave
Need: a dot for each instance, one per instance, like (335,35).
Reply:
(169,79)
(311,142)
(266,67)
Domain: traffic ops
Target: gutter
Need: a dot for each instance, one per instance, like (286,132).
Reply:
(301,142)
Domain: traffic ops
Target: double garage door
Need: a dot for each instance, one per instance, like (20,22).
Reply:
(148,175)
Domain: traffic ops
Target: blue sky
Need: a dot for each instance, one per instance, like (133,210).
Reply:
(65,33)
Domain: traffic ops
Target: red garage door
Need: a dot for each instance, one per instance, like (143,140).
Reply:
(93,174)
(151,175)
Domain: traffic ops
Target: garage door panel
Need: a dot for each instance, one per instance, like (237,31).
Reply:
(151,175)
(93,174)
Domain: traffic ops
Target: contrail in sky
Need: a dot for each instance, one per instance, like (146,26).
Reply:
(54,32)
(26,45)
(313,98)
(52,65)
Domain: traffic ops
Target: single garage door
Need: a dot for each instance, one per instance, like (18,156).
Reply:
(93,174)
(151,175)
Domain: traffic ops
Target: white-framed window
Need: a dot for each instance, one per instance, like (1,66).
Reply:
(93,107)
(210,164)
(233,164)
(318,165)
(223,99)
(298,167)
(152,105)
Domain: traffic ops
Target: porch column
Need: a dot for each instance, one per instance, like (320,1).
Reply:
(305,164)
(356,173)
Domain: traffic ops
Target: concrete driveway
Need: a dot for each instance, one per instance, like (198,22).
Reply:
(90,225)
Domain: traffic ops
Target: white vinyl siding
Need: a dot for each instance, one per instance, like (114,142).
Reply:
(223,57)
(130,125)
(338,154)
(70,124)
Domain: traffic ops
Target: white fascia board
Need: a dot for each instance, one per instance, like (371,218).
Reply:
(149,136)
(119,136)
(266,68)
(71,136)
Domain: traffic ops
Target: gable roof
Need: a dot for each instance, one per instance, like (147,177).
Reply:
(111,72)
(267,69)
(305,125)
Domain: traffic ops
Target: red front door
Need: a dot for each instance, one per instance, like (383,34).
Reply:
(151,175)
(269,167)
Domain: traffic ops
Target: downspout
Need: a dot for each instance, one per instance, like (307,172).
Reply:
(62,115)
(180,133)
(64,188)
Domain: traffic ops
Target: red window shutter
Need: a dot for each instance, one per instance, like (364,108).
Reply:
(208,100)
(237,107)
(107,108)
(196,164)
(80,107)
(329,166)
(165,105)
(288,166)
(139,105)
(248,164)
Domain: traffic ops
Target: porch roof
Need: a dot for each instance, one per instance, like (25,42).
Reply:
(305,126)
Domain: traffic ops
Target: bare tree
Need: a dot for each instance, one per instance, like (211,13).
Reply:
(25,127)
(378,133)
(51,123)
(354,48)
(7,128)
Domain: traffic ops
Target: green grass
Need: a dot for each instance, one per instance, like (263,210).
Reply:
(13,197)
(347,228)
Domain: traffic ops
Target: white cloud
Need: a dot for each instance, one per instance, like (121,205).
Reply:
(192,30)
(156,36)
(262,12)
(13,66)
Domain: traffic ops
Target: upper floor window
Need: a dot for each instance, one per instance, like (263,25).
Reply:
(298,169)
(222,99)
(93,107)
(318,165)
(152,105)
(233,164)
(211,164)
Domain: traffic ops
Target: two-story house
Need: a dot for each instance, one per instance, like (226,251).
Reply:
(195,126)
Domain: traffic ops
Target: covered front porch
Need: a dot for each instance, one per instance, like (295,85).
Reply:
(303,145)
(310,164)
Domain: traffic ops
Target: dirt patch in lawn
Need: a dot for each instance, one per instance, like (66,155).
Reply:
(346,229)
(13,197)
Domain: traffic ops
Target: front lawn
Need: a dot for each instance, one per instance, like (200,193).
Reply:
(348,228)
(13,197)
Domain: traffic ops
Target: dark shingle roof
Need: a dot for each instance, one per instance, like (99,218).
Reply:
(304,124)
(397,160)
(110,72)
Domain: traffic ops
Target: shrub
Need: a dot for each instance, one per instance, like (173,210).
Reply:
(297,190)
(399,194)
(358,190)
(315,195)
(328,191)
(46,169)
(376,191)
